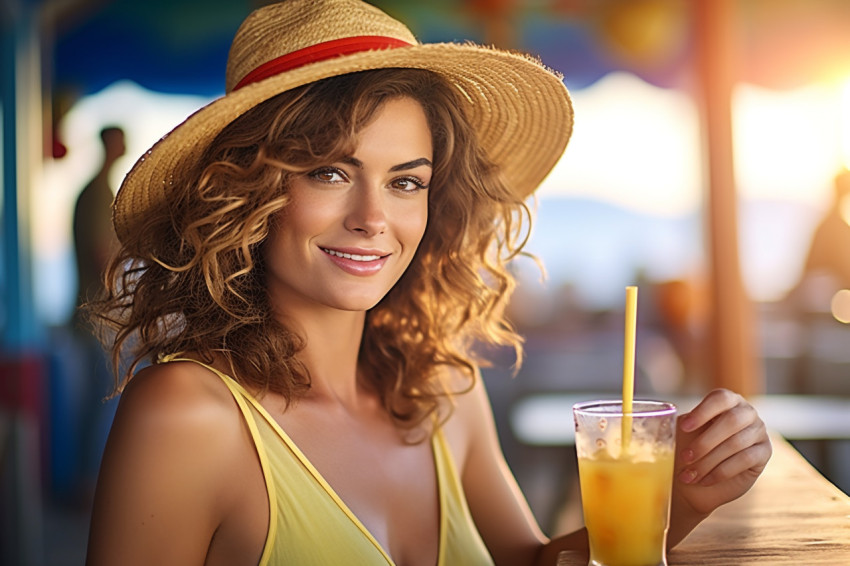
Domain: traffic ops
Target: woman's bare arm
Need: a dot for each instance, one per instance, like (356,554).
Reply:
(499,509)
(161,491)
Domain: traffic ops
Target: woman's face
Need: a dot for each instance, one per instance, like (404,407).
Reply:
(352,227)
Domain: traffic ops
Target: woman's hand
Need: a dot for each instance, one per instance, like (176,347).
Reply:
(722,447)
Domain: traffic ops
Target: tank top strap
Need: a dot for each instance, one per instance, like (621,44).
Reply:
(460,541)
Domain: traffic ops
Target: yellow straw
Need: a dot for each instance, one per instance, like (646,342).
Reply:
(629,366)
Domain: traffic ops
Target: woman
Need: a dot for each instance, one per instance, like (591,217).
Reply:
(308,261)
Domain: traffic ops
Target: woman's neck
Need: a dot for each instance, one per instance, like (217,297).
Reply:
(331,352)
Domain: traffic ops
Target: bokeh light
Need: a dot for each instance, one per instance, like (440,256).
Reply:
(840,306)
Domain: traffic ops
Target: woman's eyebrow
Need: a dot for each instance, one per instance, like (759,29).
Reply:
(412,164)
(400,167)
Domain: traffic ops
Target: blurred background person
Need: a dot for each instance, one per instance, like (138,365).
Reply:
(829,252)
(94,243)
(814,302)
(94,238)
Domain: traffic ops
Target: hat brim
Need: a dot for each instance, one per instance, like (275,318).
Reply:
(521,110)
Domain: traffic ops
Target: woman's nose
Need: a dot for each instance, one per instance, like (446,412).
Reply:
(367,211)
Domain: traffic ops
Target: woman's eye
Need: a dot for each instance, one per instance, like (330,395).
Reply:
(409,184)
(327,175)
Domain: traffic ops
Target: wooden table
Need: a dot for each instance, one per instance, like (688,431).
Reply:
(792,515)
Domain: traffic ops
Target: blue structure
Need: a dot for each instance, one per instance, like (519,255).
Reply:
(21,367)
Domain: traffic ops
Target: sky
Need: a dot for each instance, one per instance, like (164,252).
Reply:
(635,146)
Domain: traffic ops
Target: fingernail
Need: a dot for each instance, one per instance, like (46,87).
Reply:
(687,424)
(688,476)
(688,456)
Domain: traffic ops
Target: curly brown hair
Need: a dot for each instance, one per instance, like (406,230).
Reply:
(190,275)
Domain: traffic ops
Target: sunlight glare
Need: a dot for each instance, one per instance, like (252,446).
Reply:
(845,123)
(786,143)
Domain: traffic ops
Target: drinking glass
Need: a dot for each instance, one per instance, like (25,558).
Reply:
(625,475)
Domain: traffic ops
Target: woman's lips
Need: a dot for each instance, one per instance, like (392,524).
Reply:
(360,262)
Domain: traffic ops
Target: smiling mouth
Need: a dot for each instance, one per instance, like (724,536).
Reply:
(353,257)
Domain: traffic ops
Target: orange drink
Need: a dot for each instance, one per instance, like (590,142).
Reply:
(625,505)
(625,491)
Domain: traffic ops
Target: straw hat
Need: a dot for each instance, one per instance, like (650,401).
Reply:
(520,109)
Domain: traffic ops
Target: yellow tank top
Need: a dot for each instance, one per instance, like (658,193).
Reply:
(309,525)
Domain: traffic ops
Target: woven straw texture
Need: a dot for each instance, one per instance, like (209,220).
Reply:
(521,109)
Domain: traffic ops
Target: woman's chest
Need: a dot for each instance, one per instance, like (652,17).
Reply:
(388,484)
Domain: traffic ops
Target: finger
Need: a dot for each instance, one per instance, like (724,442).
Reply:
(715,403)
(721,428)
(751,460)
(726,450)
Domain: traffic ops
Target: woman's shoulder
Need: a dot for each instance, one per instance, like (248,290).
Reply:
(168,407)
(175,457)
(469,397)
(467,423)
(179,391)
